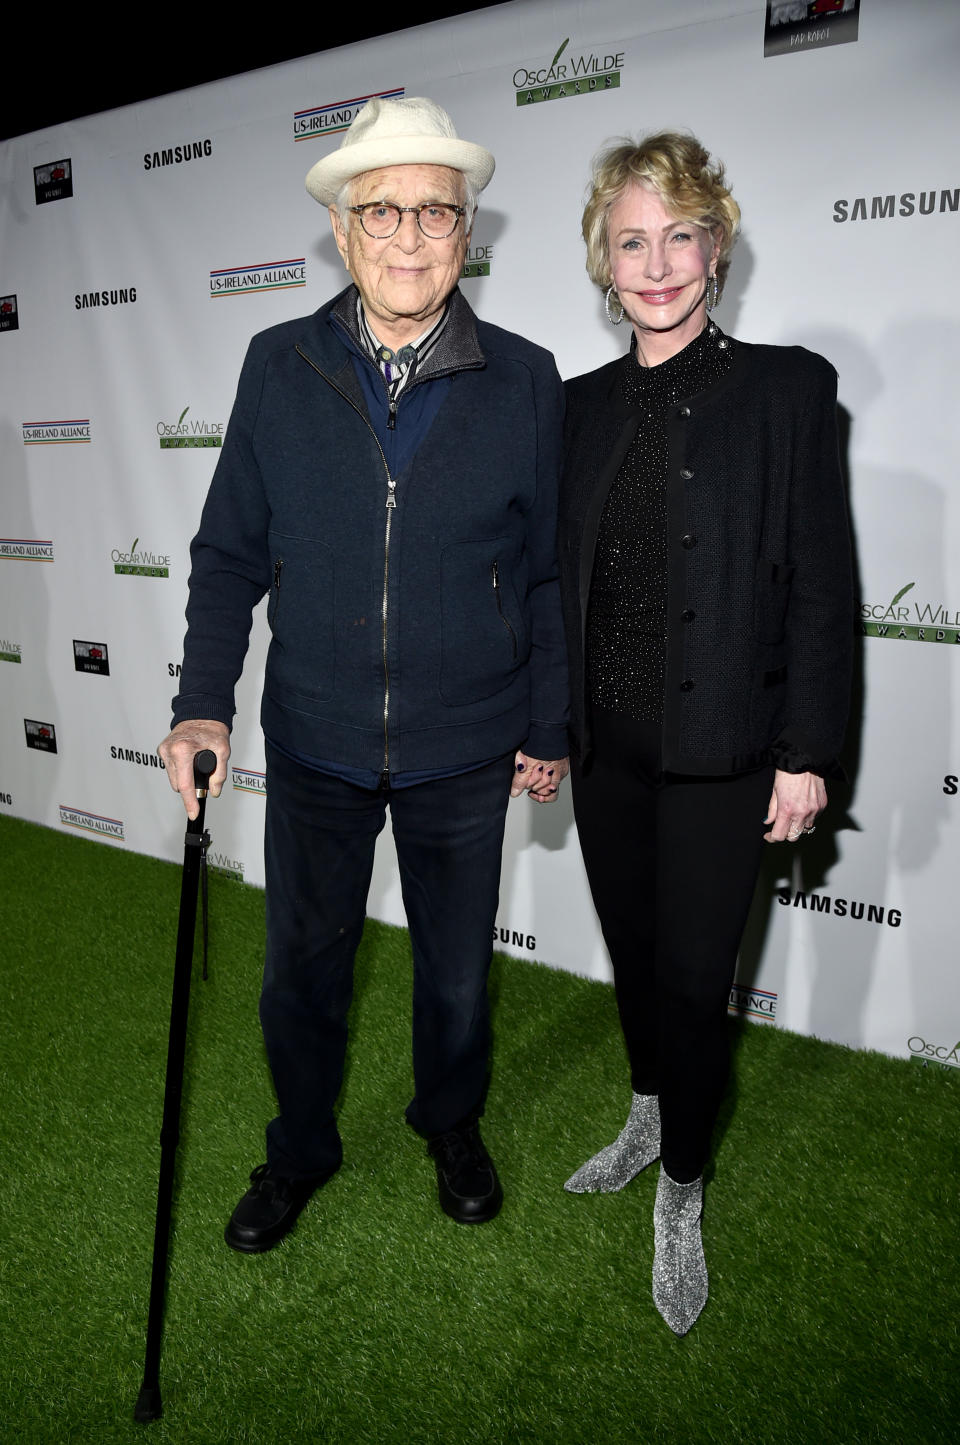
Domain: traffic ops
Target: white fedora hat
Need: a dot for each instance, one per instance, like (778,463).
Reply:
(412,131)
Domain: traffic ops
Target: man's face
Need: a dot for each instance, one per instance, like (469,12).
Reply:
(404,280)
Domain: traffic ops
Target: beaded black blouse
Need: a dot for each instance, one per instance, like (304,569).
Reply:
(627,615)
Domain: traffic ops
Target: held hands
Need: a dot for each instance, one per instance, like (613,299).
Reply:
(178,750)
(540,779)
(796,802)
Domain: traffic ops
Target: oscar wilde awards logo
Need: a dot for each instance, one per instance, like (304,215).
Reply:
(9,315)
(224,866)
(55,433)
(40,735)
(53,182)
(910,620)
(808,24)
(336,116)
(941,1056)
(91,657)
(91,822)
(174,436)
(10,651)
(245,780)
(140,564)
(265,276)
(573,75)
(477,262)
(24,549)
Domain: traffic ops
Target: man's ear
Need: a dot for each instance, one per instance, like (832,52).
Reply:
(339,234)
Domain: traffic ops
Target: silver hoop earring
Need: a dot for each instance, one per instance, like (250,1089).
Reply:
(614,320)
(713,295)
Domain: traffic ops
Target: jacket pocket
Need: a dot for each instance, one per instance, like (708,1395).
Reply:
(771,599)
(300,612)
(484,640)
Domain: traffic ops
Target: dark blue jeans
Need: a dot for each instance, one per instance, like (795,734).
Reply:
(319,842)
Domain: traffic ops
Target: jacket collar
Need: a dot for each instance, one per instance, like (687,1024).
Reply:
(458,348)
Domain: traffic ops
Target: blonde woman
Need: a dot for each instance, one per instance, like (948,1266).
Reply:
(706,579)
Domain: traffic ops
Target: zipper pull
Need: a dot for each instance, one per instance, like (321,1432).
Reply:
(392,416)
(391,488)
(495,574)
(277,569)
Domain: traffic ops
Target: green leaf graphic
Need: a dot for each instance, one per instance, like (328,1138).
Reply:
(135,541)
(560,52)
(182,415)
(901,593)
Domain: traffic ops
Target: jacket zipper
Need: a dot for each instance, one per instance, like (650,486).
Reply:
(277,570)
(495,574)
(390,506)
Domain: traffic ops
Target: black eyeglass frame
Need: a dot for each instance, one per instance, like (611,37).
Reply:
(459,213)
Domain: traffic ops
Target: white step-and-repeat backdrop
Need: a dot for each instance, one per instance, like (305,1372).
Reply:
(140,249)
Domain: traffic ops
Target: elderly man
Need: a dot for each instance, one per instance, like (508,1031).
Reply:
(389,477)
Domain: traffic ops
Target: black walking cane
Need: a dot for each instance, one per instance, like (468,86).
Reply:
(149,1405)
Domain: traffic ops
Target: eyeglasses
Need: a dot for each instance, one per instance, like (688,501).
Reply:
(381,219)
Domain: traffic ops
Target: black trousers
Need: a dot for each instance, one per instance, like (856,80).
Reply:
(672,863)
(319,841)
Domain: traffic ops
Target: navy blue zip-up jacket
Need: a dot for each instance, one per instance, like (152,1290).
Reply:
(416,619)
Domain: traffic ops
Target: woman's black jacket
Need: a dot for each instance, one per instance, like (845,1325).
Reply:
(760,614)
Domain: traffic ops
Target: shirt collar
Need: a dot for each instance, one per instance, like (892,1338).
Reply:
(398,367)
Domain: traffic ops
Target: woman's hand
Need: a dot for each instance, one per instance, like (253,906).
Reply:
(540,779)
(795,803)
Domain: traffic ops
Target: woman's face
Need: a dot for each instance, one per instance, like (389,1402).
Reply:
(659,266)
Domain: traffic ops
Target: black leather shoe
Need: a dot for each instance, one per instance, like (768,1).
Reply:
(470,1191)
(269,1209)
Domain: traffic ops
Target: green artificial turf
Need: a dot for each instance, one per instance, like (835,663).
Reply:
(830,1227)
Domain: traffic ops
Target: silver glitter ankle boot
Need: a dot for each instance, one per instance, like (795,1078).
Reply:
(679,1268)
(636,1146)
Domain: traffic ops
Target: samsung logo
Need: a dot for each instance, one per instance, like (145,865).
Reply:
(122,296)
(885,208)
(176,155)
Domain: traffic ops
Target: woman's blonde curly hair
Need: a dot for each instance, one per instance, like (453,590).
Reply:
(679,170)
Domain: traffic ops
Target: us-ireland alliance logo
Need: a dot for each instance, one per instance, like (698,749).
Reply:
(335,116)
(264,276)
(91,822)
(56,433)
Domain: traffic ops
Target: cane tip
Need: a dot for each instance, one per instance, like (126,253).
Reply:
(149,1406)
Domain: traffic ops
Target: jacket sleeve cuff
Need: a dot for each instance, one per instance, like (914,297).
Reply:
(790,756)
(195,705)
(548,741)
